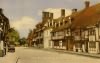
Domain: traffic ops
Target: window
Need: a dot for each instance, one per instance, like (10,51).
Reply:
(78,45)
(99,36)
(92,45)
(66,22)
(60,33)
(53,23)
(61,23)
(56,43)
(63,43)
(57,25)
(91,32)
(47,32)
(76,33)
(68,31)
(53,33)
(50,24)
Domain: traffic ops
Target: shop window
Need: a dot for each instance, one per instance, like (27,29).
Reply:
(92,45)
(63,43)
(77,45)
(56,43)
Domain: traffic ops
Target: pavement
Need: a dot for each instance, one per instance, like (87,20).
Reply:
(9,58)
(34,55)
(92,55)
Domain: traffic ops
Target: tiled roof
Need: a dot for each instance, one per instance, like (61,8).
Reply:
(87,17)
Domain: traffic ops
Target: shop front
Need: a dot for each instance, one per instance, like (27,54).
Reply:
(93,47)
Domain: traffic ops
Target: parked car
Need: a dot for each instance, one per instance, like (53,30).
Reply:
(11,48)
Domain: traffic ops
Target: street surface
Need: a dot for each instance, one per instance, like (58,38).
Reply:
(29,55)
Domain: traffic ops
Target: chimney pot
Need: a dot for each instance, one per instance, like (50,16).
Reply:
(87,4)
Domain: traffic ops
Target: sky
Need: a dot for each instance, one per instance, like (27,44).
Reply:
(25,14)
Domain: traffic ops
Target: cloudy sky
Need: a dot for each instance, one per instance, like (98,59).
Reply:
(24,14)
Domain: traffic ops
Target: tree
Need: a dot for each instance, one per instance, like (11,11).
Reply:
(22,41)
(13,36)
(30,38)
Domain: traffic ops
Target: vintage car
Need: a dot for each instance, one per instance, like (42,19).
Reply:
(11,48)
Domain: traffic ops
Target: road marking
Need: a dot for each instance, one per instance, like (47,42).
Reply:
(17,60)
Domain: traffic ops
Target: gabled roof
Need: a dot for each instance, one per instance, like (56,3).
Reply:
(62,27)
(87,17)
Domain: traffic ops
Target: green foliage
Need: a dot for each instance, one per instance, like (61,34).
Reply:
(22,41)
(13,35)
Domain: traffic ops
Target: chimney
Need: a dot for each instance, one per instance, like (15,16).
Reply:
(45,16)
(63,12)
(74,11)
(51,15)
(87,4)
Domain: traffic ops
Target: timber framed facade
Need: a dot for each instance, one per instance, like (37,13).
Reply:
(79,32)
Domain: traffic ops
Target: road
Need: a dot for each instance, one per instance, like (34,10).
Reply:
(29,55)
